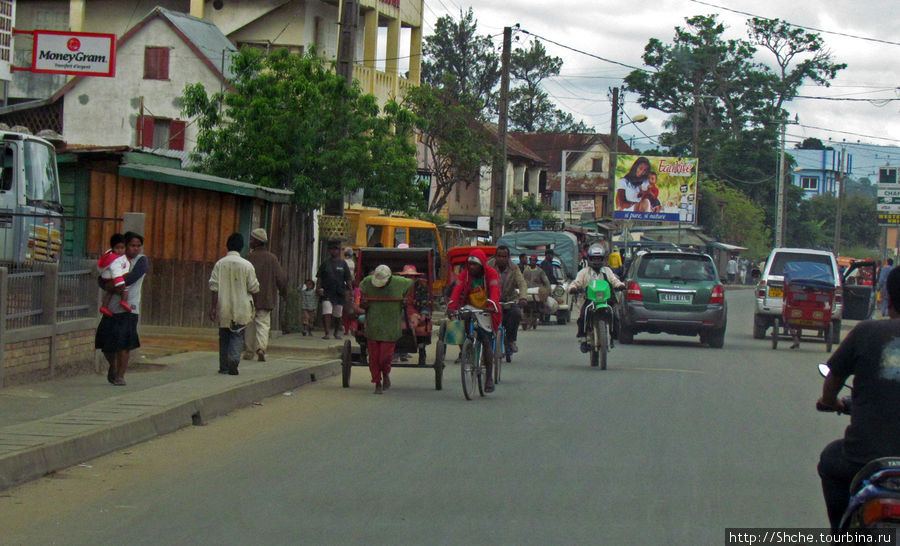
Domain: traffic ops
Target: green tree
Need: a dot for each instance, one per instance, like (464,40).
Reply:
(724,104)
(458,143)
(456,49)
(530,107)
(529,209)
(731,216)
(289,122)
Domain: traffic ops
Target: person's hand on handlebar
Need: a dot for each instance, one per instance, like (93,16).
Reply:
(575,290)
(838,406)
(620,288)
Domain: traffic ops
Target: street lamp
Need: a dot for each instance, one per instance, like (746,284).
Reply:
(613,152)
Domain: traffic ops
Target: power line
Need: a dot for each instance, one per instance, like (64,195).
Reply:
(846,132)
(582,51)
(799,26)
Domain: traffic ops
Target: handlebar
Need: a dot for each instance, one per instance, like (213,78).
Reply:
(846,401)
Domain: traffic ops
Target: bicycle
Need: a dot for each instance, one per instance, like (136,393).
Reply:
(471,365)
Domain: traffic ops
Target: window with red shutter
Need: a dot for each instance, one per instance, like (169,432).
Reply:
(156,63)
(144,137)
(176,134)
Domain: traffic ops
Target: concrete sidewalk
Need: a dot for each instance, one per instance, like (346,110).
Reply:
(172,383)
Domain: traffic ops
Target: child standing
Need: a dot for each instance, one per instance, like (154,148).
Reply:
(308,305)
(113,265)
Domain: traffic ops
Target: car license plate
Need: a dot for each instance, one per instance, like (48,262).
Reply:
(675,298)
(775,292)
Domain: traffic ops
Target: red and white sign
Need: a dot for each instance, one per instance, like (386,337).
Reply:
(77,53)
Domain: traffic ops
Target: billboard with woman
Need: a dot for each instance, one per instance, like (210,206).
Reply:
(661,189)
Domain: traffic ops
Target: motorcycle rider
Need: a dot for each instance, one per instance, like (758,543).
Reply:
(596,269)
(871,353)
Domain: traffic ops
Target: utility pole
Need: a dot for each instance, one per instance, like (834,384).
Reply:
(779,211)
(613,150)
(346,50)
(347,39)
(840,202)
(498,173)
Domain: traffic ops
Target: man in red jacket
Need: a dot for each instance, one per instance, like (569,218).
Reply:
(479,286)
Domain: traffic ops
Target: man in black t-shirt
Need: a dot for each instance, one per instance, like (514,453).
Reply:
(334,279)
(871,353)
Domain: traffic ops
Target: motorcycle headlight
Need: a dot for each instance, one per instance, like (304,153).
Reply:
(559,291)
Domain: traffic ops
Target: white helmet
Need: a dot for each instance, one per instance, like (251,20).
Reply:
(597,250)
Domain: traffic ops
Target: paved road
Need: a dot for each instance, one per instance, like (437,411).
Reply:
(670,445)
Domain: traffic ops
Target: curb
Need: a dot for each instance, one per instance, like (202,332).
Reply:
(59,450)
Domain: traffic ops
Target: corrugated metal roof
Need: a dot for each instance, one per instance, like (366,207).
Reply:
(206,37)
(193,179)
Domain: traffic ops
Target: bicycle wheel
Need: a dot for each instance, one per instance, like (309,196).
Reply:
(480,367)
(467,368)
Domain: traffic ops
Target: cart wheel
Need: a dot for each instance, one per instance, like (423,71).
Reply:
(346,363)
(776,325)
(440,351)
(829,337)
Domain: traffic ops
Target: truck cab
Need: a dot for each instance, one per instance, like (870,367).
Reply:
(30,209)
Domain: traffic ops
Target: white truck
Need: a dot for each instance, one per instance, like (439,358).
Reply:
(30,209)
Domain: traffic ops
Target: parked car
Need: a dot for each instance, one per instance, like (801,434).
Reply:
(770,288)
(675,293)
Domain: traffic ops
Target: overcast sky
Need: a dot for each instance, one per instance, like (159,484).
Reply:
(619,31)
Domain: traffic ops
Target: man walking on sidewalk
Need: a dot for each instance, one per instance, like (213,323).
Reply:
(233,283)
(272,281)
(334,280)
(383,296)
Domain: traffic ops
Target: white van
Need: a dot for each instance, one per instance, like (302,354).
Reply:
(769,290)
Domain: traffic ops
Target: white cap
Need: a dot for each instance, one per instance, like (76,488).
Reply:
(381,276)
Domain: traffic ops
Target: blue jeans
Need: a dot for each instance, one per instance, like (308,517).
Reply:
(231,341)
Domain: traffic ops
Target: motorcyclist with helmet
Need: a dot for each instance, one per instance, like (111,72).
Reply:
(596,269)
(871,353)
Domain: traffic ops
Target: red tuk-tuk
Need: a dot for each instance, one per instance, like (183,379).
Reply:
(808,302)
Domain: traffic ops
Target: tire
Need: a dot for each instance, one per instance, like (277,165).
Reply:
(759,327)
(498,359)
(829,337)
(716,338)
(346,364)
(775,327)
(468,369)
(440,351)
(626,335)
(836,331)
(602,333)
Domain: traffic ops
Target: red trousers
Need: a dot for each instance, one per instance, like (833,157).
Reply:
(380,355)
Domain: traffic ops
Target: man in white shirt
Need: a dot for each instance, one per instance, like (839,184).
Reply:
(232,282)
(732,269)
(596,269)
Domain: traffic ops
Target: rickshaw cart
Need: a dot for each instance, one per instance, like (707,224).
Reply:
(808,302)
(413,340)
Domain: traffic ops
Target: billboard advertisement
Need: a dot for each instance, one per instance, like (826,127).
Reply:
(659,189)
(75,53)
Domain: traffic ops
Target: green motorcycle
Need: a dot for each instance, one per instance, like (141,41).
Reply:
(598,316)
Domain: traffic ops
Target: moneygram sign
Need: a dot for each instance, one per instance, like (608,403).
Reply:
(76,53)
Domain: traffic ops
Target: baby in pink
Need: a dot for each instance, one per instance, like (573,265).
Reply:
(113,265)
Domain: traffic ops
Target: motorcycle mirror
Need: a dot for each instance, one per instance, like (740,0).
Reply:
(824,369)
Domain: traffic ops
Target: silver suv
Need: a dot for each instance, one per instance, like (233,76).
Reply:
(769,291)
